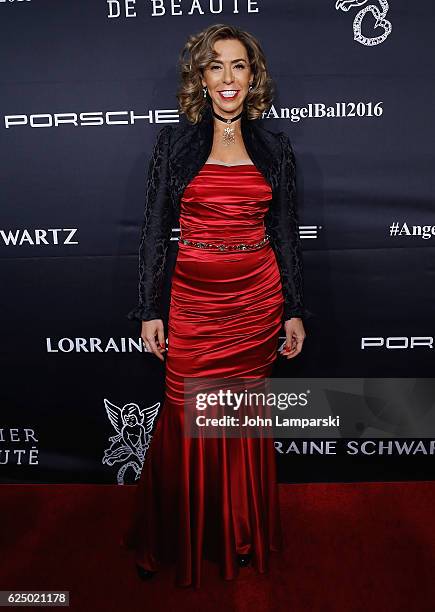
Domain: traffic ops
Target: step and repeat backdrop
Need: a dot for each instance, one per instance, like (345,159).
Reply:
(85,86)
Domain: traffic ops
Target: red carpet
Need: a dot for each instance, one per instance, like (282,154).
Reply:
(351,548)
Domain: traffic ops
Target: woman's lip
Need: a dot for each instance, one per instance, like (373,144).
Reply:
(228,98)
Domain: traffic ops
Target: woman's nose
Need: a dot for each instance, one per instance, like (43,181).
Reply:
(228,75)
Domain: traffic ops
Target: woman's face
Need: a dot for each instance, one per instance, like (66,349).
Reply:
(230,73)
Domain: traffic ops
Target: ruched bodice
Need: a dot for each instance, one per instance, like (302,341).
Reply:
(225,203)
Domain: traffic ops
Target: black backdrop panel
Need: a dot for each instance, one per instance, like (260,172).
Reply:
(82,96)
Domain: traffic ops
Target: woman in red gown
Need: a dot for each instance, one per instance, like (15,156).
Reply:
(200,497)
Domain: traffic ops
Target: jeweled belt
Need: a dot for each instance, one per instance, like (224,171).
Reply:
(226,246)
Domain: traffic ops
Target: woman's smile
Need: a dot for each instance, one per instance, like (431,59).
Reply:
(228,94)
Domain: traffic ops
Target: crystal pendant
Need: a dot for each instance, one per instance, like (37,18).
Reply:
(228,134)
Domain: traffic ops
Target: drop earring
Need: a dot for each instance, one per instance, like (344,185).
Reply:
(204,89)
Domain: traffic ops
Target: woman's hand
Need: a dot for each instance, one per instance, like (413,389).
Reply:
(295,335)
(151,329)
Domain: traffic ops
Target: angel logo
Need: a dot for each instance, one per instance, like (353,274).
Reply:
(379,15)
(133,428)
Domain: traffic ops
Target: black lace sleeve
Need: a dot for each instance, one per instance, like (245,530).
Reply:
(156,232)
(284,230)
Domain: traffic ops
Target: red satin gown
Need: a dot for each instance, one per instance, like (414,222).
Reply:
(214,497)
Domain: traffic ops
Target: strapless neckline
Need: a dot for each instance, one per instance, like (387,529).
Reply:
(229,165)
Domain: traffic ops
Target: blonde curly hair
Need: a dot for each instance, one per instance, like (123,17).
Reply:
(198,53)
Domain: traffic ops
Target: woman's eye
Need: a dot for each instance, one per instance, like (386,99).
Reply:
(236,66)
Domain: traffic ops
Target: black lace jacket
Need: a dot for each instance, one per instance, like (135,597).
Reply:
(178,155)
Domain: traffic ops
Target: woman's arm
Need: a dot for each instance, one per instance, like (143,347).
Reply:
(284,229)
(156,232)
